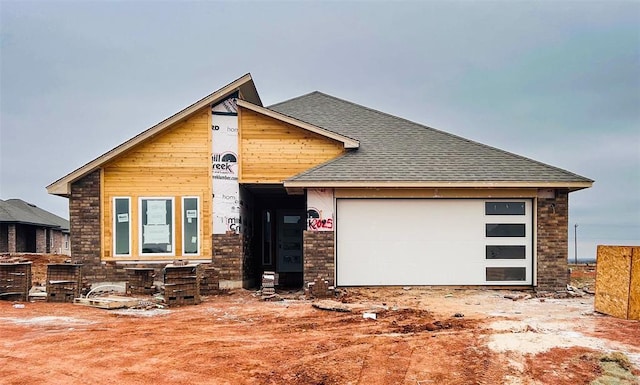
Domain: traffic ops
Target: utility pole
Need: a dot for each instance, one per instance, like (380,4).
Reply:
(575,244)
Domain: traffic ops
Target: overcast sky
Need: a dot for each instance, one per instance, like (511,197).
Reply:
(558,82)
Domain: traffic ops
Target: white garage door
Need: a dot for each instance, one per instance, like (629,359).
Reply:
(433,242)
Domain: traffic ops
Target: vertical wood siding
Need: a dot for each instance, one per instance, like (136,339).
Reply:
(272,151)
(176,163)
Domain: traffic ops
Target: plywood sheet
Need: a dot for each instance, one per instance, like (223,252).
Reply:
(613,280)
(107,302)
(634,290)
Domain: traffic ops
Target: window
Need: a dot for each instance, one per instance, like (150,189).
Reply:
(505,229)
(506,273)
(66,241)
(266,237)
(505,252)
(156,226)
(191,225)
(504,208)
(121,226)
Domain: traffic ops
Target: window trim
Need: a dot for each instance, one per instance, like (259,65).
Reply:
(141,227)
(184,238)
(113,226)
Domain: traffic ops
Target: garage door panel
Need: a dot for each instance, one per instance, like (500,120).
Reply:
(422,242)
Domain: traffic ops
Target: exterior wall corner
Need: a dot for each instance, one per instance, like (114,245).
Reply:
(551,242)
(319,256)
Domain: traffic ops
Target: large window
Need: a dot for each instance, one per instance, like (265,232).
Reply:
(121,226)
(191,225)
(505,229)
(505,252)
(156,226)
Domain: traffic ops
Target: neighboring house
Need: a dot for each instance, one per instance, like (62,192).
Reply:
(321,187)
(26,228)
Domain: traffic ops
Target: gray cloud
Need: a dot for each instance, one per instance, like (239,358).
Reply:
(554,81)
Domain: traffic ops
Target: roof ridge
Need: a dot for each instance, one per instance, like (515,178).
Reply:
(445,133)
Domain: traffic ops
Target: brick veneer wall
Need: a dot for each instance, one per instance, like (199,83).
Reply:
(318,256)
(41,240)
(228,257)
(553,219)
(84,218)
(4,238)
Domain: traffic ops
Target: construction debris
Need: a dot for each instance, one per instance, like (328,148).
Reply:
(209,280)
(64,282)
(140,280)
(181,284)
(331,306)
(15,281)
(319,288)
(111,302)
(269,282)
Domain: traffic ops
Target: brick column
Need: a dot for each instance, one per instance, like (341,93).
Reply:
(84,217)
(228,256)
(553,219)
(318,260)
(11,238)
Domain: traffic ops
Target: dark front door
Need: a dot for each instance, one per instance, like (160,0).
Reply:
(290,224)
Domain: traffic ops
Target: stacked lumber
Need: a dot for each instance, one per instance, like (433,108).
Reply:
(182,284)
(15,281)
(64,282)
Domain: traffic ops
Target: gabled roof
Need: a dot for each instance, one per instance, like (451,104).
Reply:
(395,152)
(19,211)
(346,141)
(244,85)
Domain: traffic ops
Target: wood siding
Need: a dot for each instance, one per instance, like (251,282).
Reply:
(272,151)
(175,163)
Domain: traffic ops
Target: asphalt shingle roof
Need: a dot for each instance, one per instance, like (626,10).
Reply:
(395,149)
(19,211)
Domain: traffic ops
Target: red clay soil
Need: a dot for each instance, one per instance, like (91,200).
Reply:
(568,366)
(239,339)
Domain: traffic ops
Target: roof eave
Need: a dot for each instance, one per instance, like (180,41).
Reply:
(245,85)
(348,143)
(297,184)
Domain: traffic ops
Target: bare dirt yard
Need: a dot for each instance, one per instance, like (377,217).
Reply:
(419,336)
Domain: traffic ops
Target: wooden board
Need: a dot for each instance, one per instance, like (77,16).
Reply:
(272,151)
(176,163)
(107,302)
(613,280)
(634,290)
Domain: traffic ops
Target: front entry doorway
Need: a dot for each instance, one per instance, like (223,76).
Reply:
(290,224)
(277,243)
